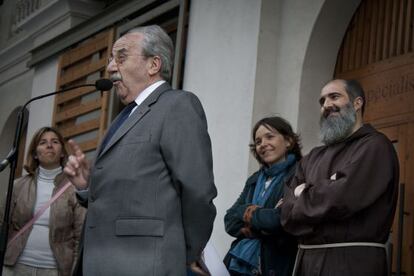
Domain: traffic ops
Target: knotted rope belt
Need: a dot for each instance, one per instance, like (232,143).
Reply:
(334,245)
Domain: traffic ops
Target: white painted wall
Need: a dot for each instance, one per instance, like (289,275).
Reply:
(284,37)
(41,111)
(220,68)
(288,25)
(285,29)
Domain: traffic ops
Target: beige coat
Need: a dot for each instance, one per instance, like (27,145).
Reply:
(65,222)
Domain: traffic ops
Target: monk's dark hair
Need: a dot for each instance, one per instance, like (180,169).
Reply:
(355,90)
(284,128)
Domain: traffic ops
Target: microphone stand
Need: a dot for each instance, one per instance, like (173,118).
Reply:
(12,160)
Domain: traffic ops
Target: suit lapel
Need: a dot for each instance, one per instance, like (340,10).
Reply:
(135,117)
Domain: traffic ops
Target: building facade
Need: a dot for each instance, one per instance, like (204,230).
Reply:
(244,59)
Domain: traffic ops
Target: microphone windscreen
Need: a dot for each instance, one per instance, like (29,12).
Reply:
(103,84)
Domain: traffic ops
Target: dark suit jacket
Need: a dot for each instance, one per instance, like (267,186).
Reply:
(150,209)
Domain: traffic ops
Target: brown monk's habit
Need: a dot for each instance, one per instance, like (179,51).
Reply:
(350,196)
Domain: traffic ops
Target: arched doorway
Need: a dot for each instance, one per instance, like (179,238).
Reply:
(319,63)
(378,50)
(6,144)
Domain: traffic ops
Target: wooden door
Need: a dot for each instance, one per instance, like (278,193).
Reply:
(400,136)
(378,51)
(389,89)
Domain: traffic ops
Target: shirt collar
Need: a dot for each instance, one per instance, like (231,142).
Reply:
(147,91)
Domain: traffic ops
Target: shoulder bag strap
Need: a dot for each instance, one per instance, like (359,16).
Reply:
(39,213)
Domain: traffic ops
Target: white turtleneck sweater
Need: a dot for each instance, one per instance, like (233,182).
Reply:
(37,252)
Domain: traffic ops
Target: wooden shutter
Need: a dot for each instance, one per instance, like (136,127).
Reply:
(82,114)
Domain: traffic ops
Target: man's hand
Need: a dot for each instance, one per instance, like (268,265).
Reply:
(198,270)
(77,167)
(299,189)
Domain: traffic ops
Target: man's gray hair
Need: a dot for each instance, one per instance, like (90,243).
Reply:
(156,42)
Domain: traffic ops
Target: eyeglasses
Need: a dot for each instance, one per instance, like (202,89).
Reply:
(121,58)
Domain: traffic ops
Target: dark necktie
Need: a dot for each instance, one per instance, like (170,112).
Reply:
(114,127)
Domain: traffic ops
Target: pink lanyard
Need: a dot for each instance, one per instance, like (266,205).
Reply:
(39,213)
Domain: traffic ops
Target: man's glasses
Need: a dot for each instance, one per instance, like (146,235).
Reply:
(121,58)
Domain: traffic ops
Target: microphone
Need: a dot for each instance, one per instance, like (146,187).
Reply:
(102,85)
(6,161)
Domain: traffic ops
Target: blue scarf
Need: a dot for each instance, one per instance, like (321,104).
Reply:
(246,253)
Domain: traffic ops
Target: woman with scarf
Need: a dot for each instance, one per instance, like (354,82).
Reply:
(262,247)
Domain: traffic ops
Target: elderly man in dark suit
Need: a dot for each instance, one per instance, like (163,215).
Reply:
(149,192)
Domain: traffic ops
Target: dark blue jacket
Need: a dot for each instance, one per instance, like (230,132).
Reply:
(278,248)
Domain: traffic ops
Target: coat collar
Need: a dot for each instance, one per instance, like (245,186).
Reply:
(59,179)
(135,117)
(364,130)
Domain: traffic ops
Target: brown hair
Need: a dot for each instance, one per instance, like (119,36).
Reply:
(283,127)
(32,163)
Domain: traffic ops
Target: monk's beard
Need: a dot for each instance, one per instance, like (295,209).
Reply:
(336,128)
